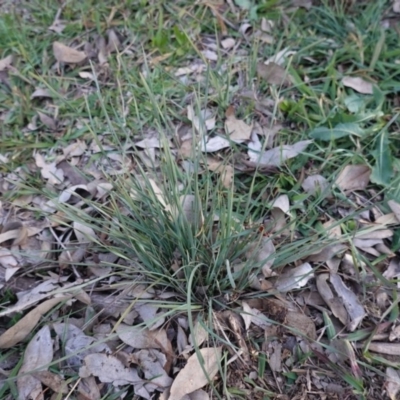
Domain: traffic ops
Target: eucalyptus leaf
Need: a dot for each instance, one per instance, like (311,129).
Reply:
(339,131)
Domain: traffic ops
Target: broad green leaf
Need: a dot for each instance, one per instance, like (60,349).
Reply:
(244,4)
(382,171)
(339,131)
(354,103)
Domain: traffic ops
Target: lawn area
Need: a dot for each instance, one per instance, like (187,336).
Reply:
(199,199)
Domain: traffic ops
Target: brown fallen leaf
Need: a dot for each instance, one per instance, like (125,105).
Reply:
(237,130)
(332,301)
(15,232)
(140,338)
(108,369)
(47,121)
(273,73)
(38,354)
(350,301)
(294,278)
(263,254)
(358,84)
(392,383)
(26,325)
(6,62)
(385,348)
(353,177)
(65,54)
(301,323)
(52,381)
(192,376)
(226,172)
(276,156)
(314,184)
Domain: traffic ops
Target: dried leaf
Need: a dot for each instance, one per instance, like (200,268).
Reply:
(113,41)
(273,73)
(353,177)
(6,62)
(192,376)
(314,184)
(38,354)
(275,359)
(392,380)
(246,315)
(263,253)
(77,344)
(385,348)
(65,54)
(140,338)
(226,171)
(354,308)
(48,121)
(84,234)
(109,370)
(332,301)
(39,92)
(301,323)
(152,363)
(199,334)
(395,207)
(26,325)
(15,232)
(358,84)
(228,43)
(276,156)
(52,380)
(295,278)
(49,171)
(237,130)
(214,144)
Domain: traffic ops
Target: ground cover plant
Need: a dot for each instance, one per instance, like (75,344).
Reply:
(199,199)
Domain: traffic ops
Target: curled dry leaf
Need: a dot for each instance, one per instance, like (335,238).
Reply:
(26,325)
(353,177)
(15,232)
(65,54)
(192,376)
(358,84)
(40,92)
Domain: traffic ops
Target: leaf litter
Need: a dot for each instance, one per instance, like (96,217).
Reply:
(149,362)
